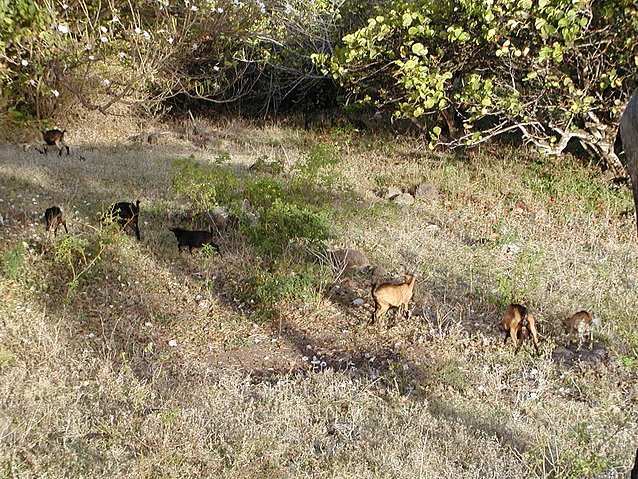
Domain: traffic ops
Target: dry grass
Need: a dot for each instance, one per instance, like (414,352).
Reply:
(158,364)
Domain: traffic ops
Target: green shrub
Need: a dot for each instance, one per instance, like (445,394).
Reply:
(12,261)
(286,280)
(284,222)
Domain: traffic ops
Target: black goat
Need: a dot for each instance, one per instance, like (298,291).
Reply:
(126,215)
(193,239)
(54,219)
(55,137)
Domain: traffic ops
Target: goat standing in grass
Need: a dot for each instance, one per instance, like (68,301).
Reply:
(389,295)
(582,323)
(194,239)
(55,137)
(127,216)
(518,325)
(54,219)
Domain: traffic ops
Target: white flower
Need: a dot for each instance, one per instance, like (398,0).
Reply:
(55,93)
(170,40)
(172,343)
(194,8)
(220,10)
(63,29)
(138,30)
(147,36)
(92,57)
(216,68)
(104,39)
(24,63)
(106,82)
(116,19)
(121,55)
(103,29)
(65,6)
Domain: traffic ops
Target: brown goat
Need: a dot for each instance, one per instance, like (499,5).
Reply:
(126,215)
(581,323)
(518,325)
(55,137)
(54,219)
(389,295)
(193,239)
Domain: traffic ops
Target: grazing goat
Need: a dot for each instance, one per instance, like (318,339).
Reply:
(389,295)
(518,325)
(54,219)
(127,216)
(583,324)
(629,138)
(193,239)
(55,137)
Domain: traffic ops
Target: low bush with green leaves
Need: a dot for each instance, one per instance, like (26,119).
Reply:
(275,213)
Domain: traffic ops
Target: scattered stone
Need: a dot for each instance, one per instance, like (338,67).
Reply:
(510,248)
(349,258)
(571,356)
(432,228)
(404,199)
(379,272)
(358,302)
(219,218)
(426,191)
(392,192)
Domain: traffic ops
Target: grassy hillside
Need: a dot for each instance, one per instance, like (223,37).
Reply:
(127,359)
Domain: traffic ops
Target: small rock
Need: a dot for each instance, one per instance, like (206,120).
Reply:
(349,258)
(426,191)
(510,248)
(432,228)
(379,271)
(219,218)
(358,302)
(392,192)
(405,199)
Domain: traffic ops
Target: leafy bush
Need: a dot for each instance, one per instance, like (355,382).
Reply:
(79,255)
(287,212)
(285,280)
(12,261)
(498,66)
(284,222)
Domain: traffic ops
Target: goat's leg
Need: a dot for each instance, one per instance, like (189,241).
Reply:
(532,329)
(513,333)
